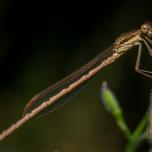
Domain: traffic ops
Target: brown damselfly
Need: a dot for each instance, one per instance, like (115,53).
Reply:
(52,95)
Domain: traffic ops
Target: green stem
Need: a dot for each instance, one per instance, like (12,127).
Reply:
(122,125)
(138,136)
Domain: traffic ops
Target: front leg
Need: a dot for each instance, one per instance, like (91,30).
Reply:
(137,67)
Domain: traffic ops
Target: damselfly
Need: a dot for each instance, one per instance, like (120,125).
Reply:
(51,96)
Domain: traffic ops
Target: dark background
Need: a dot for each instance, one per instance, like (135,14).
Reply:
(40,43)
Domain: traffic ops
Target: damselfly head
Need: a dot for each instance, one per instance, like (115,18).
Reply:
(146,29)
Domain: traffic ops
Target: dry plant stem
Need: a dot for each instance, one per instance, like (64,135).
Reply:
(149,130)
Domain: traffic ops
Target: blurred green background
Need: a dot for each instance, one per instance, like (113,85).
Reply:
(40,43)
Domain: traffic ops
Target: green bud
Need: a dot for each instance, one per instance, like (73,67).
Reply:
(109,100)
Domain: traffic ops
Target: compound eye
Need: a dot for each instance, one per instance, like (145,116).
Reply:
(145,28)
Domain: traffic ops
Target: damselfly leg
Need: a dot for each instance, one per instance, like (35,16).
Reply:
(137,66)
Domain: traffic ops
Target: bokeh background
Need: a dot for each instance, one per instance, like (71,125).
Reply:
(40,43)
